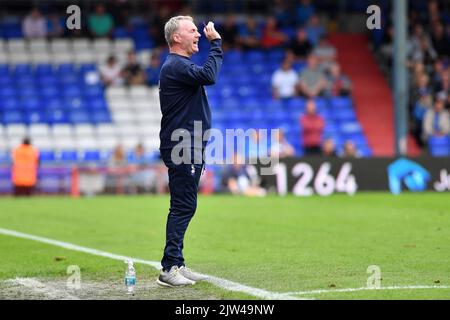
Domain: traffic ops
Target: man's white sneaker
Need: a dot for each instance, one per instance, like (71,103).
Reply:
(185,272)
(173,278)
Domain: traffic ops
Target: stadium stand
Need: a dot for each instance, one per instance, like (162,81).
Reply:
(51,89)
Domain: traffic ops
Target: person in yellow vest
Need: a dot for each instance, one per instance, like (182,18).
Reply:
(25,163)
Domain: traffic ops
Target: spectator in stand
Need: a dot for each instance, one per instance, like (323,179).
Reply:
(421,48)
(304,11)
(25,163)
(314,30)
(154,68)
(272,37)
(350,150)
(282,13)
(421,84)
(312,125)
(250,34)
(230,33)
(56,25)
(440,41)
(282,148)
(329,148)
(34,25)
(120,11)
(157,27)
(133,73)
(444,84)
(312,82)
(101,23)
(143,179)
(436,121)
(325,53)
(284,81)
(421,107)
(111,72)
(338,84)
(238,179)
(118,171)
(300,45)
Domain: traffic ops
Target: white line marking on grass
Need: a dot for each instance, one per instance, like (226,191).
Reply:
(219,282)
(40,288)
(365,289)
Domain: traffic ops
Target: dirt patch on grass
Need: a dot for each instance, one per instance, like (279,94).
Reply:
(56,289)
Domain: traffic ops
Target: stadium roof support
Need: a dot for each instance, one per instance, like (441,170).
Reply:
(400,76)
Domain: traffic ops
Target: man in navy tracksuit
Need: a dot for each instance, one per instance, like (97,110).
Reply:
(183,101)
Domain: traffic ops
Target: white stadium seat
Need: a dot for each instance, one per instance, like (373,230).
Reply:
(16,46)
(138,92)
(123,45)
(106,130)
(16,130)
(13,142)
(60,45)
(64,143)
(107,142)
(130,142)
(38,46)
(81,45)
(124,117)
(39,130)
(19,57)
(62,130)
(4,58)
(84,130)
(102,45)
(84,57)
(87,143)
(42,143)
(61,57)
(41,57)
(127,130)
(116,93)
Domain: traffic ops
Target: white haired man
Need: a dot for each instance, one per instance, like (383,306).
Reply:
(183,101)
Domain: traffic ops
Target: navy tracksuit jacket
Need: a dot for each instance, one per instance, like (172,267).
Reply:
(183,100)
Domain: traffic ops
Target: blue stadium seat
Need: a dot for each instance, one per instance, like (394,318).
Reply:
(23,69)
(344,114)
(68,156)
(35,117)
(101,117)
(46,156)
(49,92)
(341,102)
(98,103)
(77,117)
(44,69)
(31,103)
(350,127)
(5,157)
(9,104)
(91,156)
(439,146)
(56,116)
(12,117)
(7,91)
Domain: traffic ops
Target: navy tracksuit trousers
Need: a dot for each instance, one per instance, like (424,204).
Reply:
(183,185)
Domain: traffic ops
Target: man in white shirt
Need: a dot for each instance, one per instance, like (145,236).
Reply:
(111,72)
(284,81)
(34,25)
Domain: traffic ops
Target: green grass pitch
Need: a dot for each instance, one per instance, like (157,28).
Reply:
(280,244)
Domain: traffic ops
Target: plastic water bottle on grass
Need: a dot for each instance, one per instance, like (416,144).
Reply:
(130,277)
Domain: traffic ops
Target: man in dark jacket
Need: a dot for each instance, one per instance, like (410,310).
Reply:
(183,103)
